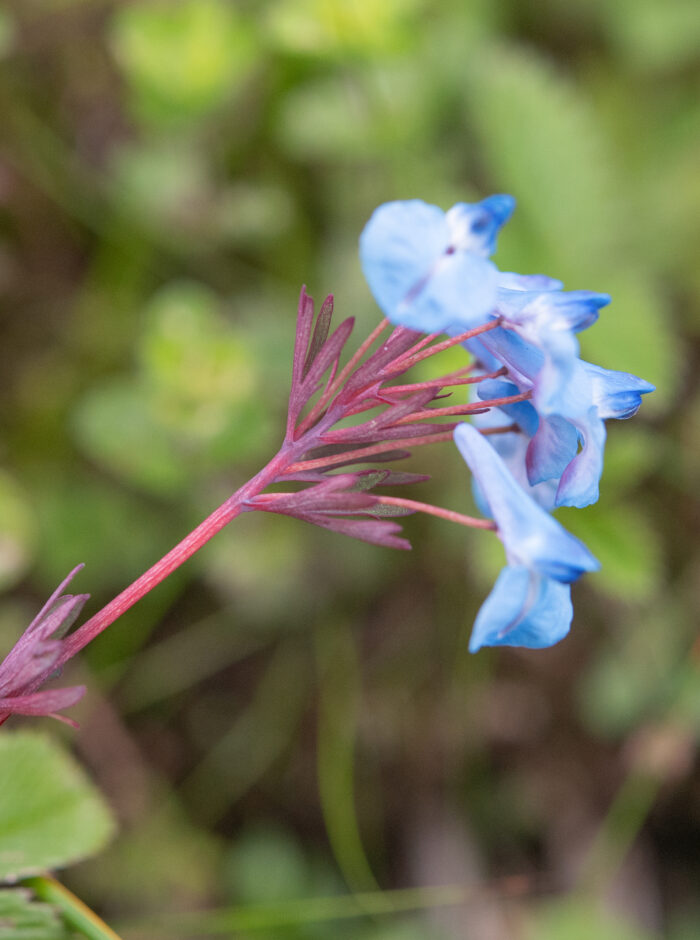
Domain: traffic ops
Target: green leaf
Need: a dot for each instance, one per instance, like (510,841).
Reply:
(181,59)
(575,919)
(17,531)
(626,544)
(345,27)
(22,917)
(542,141)
(652,35)
(114,425)
(265,865)
(50,813)
(634,335)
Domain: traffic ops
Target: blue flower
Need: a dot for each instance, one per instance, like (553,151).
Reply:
(530,604)
(428,269)
(570,400)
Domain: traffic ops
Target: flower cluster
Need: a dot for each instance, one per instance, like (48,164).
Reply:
(430,270)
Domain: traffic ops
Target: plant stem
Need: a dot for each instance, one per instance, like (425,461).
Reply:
(75,913)
(431,510)
(158,572)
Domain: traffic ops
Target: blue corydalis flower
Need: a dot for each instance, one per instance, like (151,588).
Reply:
(429,269)
(565,422)
(530,603)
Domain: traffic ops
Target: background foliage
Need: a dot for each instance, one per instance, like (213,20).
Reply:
(293,715)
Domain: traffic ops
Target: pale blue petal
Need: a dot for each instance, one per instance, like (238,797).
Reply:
(508,280)
(399,246)
(616,394)
(523,360)
(521,412)
(475,226)
(553,446)
(563,387)
(579,482)
(523,609)
(427,269)
(512,449)
(460,292)
(531,537)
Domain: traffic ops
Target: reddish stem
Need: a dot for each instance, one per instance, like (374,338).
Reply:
(476,408)
(431,510)
(158,572)
(402,361)
(444,381)
(362,452)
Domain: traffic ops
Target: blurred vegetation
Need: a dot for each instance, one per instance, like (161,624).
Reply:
(295,716)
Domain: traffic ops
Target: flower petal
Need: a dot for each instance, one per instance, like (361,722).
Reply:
(553,446)
(531,537)
(579,482)
(427,269)
(616,394)
(523,609)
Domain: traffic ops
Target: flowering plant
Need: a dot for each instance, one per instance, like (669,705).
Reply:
(536,442)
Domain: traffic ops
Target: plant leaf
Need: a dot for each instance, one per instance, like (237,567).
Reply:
(50,813)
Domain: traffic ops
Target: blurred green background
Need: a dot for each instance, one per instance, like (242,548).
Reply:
(294,715)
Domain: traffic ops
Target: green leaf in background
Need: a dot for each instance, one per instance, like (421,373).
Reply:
(50,813)
(163,182)
(545,143)
(84,518)
(623,540)
(637,310)
(17,531)
(580,920)
(24,918)
(653,35)
(197,406)
(265,864)
(182,59)
(542,142)
(202,373)
(343,27)
(114,425)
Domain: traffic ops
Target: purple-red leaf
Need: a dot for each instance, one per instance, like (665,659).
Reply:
(323,325)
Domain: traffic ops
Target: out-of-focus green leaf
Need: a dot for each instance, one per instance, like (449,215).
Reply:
(541,141)
(627,546)
(116,427)
(654,35)
(613,342)
(24,918)
(17,531)
(195,407)
(50,813)
(343,27)
(162,181)
(164,856)
(265,865)
(202,374)
(182,59)
(546,145)
(85,519)
(580,920)
(632,453)
(615,694)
